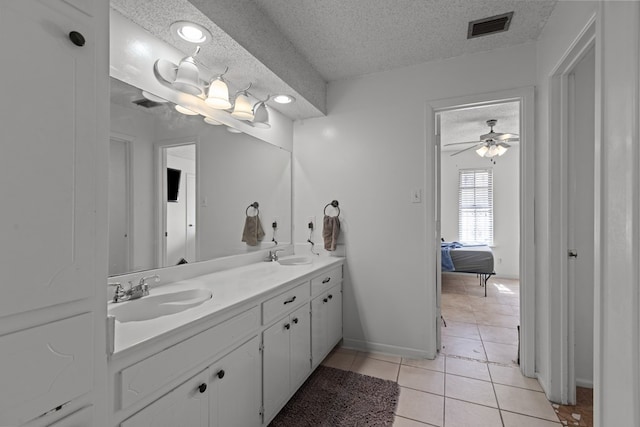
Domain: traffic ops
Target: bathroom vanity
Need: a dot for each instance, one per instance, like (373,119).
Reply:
(233,358)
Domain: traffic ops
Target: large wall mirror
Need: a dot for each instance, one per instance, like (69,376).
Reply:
(179,188)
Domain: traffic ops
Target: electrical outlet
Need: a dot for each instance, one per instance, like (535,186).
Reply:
(274,223)
(311,223)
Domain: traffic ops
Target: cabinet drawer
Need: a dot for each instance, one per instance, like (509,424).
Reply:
(326,280)
(148,375)
(284,302)
(45,366)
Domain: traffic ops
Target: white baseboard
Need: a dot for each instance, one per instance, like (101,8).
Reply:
(581,382)
(388,349)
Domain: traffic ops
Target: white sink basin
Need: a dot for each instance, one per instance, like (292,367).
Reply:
(151,307)
(295,260)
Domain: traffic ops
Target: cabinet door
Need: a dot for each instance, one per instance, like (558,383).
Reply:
(334,317)
(48,160)
(275,366)
(300,345)
(234,392)
(319,338)
(185,406)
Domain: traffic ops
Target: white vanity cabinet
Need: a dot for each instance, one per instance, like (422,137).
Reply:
(286,358)
(326,325)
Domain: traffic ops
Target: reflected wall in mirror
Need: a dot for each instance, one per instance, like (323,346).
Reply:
(220,175)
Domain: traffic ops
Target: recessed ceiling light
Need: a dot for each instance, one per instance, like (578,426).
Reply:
(284,99)
(185,110)
(191,32)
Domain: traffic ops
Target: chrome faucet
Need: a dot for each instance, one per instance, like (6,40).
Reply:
(135,291)
(273,255)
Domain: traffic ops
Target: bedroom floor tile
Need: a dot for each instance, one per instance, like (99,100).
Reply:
(461,330)
(501,353)
(463,347)
(498,334)
(468,368)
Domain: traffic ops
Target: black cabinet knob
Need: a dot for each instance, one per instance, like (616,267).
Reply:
(330,296)
(220,373)
(76,38)
(295,320)
(202,388)
(325,300)
(287,326)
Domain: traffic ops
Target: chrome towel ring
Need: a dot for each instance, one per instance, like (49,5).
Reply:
(255,206)
(335,204)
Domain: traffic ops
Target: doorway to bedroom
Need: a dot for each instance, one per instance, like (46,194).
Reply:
(480,231)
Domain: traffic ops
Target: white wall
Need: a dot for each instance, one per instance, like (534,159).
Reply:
(368,153)
(506,201)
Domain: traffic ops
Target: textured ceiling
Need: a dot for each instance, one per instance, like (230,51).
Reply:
(346,38)
(295,47)
(468,124)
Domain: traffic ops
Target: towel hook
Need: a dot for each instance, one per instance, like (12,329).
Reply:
(333,203)
(255,206)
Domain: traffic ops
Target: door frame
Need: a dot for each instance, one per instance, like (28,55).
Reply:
(526,97)
(561,290)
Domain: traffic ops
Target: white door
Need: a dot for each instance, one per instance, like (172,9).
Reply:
(191,218)
(275,366)
(300,345)
(118,208)
(235,388)
(581,216)
(438,250)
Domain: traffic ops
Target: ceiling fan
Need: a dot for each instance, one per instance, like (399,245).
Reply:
(490,144)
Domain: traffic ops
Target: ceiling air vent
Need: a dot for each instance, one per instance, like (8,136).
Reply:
(146,103)
(491,25)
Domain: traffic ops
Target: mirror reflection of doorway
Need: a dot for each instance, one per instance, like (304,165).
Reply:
(119,208)
(179,204)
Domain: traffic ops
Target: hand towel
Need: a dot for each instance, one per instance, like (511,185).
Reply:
(330,232)
(253,231)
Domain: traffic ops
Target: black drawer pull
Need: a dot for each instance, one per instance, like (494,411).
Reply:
(220,373)
(287,326)
(295,320)
(202,388)
(290,300)
(327,280)
(76,38)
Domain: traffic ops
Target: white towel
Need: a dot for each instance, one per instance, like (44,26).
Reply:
(253,232)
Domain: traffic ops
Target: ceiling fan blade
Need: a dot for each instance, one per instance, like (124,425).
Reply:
(458,143)
(510,140)
(467,149)
(503,144)
(503,136)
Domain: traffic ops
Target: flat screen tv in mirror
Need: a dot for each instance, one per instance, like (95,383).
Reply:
(173,184)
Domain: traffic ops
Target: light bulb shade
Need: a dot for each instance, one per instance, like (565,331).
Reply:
(212,121)
(218,96)
(501,150)
(493,151)
(187,77)
(482,151)
(185,110)
(261,116)
(243,109)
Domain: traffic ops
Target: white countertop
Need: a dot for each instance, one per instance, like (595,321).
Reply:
(230,288)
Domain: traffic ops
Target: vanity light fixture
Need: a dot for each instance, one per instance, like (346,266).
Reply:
(191,32)
(187,76)
(152,97)
(218,95)
(243,109)
(185,110)
(261,115)
(284,99)
(212,121)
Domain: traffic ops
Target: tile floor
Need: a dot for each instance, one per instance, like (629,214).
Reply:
(474,382)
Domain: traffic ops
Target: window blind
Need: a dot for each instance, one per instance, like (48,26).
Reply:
(475,206)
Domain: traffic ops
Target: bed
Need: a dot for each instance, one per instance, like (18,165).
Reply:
(468,258)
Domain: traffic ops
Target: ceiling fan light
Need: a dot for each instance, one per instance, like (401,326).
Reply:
(212,121)
(187,79)
(218,96)
(493,151)
(482,151)
(184,110)
(261,116)
(501,150)
(243,109)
